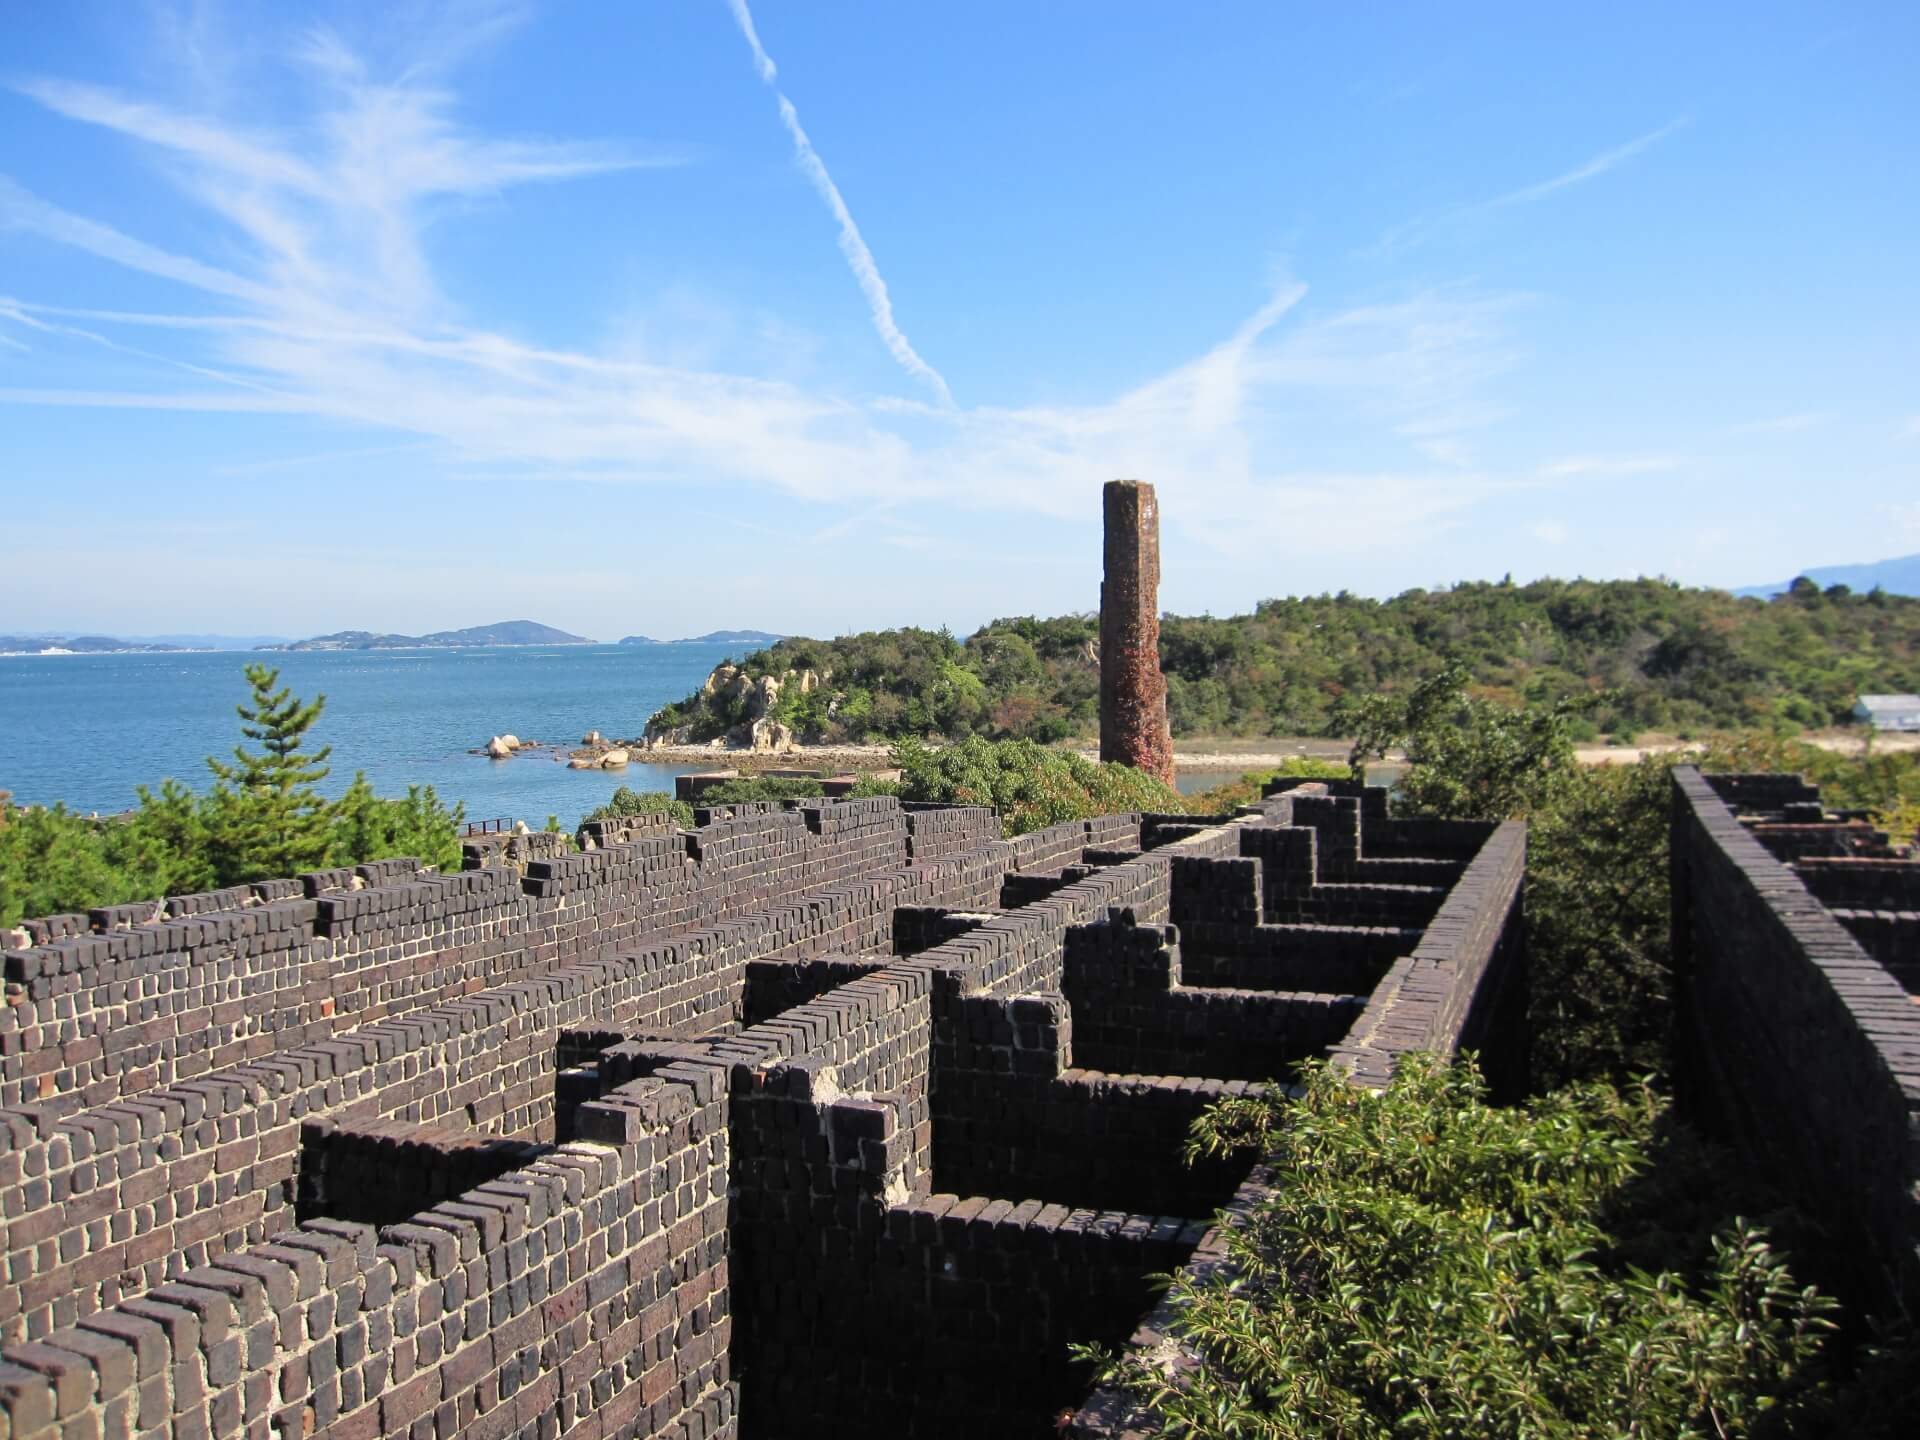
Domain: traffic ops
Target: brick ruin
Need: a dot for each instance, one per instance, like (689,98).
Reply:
(827,1117)
(1133,692)
(1797,948)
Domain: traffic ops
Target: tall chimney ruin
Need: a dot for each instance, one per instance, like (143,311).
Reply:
(1133,692)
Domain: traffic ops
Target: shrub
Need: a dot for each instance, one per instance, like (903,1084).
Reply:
(1426,1264)
(625,802)
(1029,785)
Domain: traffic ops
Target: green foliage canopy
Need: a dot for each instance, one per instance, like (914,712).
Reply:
(1426,1264)
(627,801)
(1660,655)
(271,821)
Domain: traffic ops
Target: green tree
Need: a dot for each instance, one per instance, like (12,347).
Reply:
(1468,758)
(268,818)
(367,827)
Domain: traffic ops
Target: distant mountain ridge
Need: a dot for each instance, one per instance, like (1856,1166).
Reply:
(76,645)
(503,632)
(712,637)
(1899,576)
(211,641)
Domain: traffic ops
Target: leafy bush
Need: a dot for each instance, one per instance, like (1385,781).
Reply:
(1031,786)
(1426,1264)
(626,802)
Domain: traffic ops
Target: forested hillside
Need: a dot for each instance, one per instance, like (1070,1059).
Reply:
(1661,656)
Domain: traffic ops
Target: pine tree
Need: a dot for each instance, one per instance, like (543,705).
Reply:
(268,818)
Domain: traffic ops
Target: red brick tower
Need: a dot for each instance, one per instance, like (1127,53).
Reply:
(1133,692)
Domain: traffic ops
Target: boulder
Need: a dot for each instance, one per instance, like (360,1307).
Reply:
(498,749)
(512,742)
(763,736)
(613,760)
(760,699)
(593,737)
(581,762)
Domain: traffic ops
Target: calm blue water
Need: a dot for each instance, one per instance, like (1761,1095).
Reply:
(87,728)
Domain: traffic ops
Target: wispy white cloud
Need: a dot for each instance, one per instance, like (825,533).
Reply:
(330,309)
(22,210)
(1576,466)
(1587,170)
(1413,232)
(1912,427)
(859,258)
(1549,532)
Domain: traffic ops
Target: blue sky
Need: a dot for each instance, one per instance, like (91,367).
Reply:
(664,317)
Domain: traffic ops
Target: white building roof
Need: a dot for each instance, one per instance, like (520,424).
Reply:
(1891,702)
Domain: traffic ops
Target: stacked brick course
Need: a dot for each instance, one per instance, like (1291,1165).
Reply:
(1805,1044)
(775,1124)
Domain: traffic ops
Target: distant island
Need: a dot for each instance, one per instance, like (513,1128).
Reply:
(1899,576)
(504,632)
(76,645)
(712,637)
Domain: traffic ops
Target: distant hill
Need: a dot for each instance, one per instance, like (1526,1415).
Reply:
(1645,654)
(734,637)
(212,642)
(75,645)
(712,637)
(504,632)
(1897,577)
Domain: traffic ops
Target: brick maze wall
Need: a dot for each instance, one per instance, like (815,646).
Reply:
(1808,1049)
(1460,985)
(779,1118)
(104,1202)
(118,1003)
(1133,1011)
(590,1282)
(381,1172)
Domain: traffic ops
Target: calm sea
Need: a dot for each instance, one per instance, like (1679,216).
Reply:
(86,729)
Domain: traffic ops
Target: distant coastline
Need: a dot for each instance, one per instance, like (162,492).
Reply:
(712,637)
(501,633)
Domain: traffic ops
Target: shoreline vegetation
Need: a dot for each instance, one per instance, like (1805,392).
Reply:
(1635,657)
